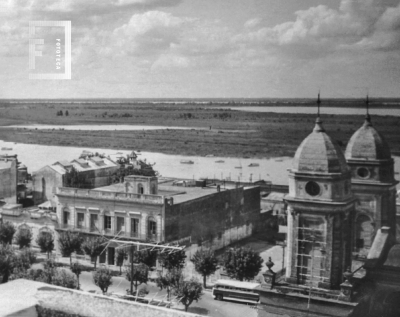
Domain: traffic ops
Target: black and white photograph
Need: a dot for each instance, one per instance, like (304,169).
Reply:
(222,158)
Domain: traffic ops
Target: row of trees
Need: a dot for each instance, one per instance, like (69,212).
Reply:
(240,263)
(23,237)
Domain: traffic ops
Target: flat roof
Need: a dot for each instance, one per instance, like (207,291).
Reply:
(22,297)
(180,194)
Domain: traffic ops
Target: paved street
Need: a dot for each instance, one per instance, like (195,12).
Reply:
(206,305)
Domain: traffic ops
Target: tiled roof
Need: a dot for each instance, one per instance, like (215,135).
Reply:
(367,143)
(320,154)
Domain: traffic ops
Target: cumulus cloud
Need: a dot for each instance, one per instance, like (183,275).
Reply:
(252,23)
(166,40)
(320,30)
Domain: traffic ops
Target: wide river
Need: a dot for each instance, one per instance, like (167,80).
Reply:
(94,127)
(324,110)
(274,169)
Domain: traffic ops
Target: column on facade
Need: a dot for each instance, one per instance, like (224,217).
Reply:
(101,220)
(159,227)
(87,219)
(292,246)
(144,226)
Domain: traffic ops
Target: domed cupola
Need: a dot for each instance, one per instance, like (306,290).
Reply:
(320,207)
(367,144)
(319,153)
(372,183)
(369,156)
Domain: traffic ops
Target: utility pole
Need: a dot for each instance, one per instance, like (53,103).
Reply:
(132,270)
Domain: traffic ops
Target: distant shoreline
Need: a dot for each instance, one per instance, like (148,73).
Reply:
(209,130)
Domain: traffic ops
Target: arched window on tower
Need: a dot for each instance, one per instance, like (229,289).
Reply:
(153,189)
(140,188)
(364,232)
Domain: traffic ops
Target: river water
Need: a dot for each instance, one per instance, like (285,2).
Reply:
(274,169)
(326,110)
(104,127)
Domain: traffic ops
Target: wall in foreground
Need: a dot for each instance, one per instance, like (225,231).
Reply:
(23,297)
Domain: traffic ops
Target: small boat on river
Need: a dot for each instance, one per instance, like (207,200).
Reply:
(254,164)
(6,148)
(187,162)
(220,161)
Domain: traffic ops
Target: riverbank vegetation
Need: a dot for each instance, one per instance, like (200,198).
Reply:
(211,130)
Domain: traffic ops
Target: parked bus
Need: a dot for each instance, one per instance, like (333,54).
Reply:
(235,290)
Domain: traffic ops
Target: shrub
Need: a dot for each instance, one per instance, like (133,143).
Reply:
(102,278)
(7,230)
(23,238)
(64,278)
(242,263)
(76,268)
(188,292)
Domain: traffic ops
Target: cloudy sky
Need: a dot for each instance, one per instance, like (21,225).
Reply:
(209,48)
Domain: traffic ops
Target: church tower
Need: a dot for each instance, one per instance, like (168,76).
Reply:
(373,184)
(320,208)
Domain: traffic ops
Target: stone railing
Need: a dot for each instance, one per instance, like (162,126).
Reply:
(98,194)
(112,233)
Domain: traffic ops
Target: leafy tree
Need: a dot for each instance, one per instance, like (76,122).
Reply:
(23,238)
(66,113)
(69,242)
(173,260)
(76,268)
(102,278)
(7,230)
(205,263)
(242,263)
(122,255)
(45,241)
(145,256)
(49,271)
(75,179)
(7,261)
(14,264)
(139,275)
(93,247)
(170,280)
(64,278)
(189,291)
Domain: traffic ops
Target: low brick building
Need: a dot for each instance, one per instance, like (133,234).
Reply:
(144,209)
